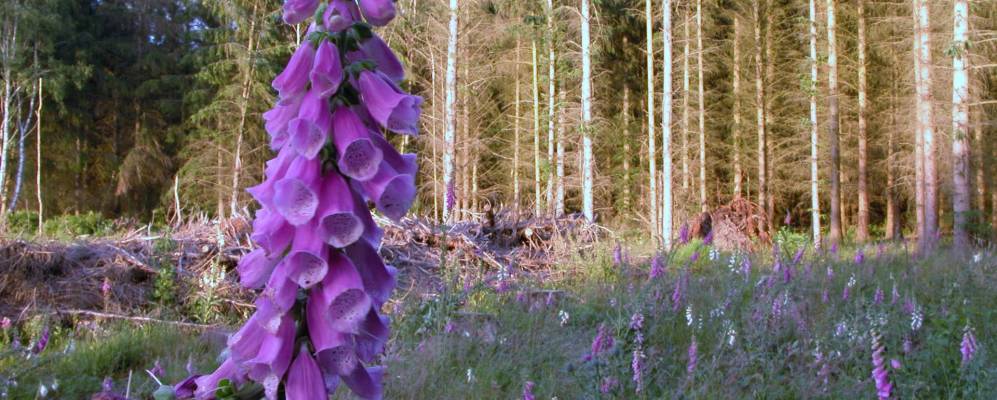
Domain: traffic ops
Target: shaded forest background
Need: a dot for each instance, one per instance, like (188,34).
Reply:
(146,104)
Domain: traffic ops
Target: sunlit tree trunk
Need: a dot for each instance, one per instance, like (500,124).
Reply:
(536,135)
(38,157)
(760,106)
(981,159)
(433,138)
(833,125)
(769,118)
(626,144)
(515,139)
(23,127)
(247,84)
(736,72)
(8,49)
(551,105)
(685,99)
(651,151)
(451,116)
(666,123)
(814,177)
(559,195)
(960,124)
(925,125)
(588,162)
(702,108)
(464,159)
(863,200)
(892,217)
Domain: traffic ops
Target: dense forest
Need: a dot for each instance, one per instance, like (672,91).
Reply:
(874,118)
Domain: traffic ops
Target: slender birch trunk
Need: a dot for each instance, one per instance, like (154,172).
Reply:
(626,144)
(863,200)
(651,151)
(769,118)
(247,84)
(38,157)
(515,139)
(686,38)
(536,136)
(551,105)
(588,162)
(925,122)
(760,105)
(451,117)
(433,138)
(8,51)
(960,124)
(559,196)
(814,177)
(464,162)
(666,124)
(703,207)
(22,136)
(833,125)
(736,129)
(981,163)
(918,147)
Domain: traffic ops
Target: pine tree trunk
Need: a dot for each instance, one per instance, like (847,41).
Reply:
(464,162)
(863,200)
(892,217)
(703,207)
(536,136)
(960,125)
(626,144)
(451,117)
(588,162)
(769,118)
(515,140)
(8,49)
(833,124)
(981,158)
(22,136)
(38,157)
(814,177)
(433,136)
(559,195)
(760,106)
(925,123)
(651,151)
(736,129)
(685,99)
(666,124)
(247,84)
(551,105)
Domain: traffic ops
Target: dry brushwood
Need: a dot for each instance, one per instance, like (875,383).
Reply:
(738,225)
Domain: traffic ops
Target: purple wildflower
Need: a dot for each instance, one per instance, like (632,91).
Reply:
(908,345)
(859,256)
(788,219)
(637,366)
(968,346)
(657,269)
(895,364)
(296,11)
(528,391)
(909,305)
(825,296)
(895,295)
(105,288)
(693,356)
(602,342)
(693,257)
(637,322)
(746,267)
(157,368)
(617,255)
(708,239)
(107,385)
(5,324)
(678,294)
(608,384)
(42,341)
(879,372)
(877,298)
(787,273)
(799,255)
(684,234)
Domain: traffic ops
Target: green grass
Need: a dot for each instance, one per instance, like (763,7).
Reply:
(495,342)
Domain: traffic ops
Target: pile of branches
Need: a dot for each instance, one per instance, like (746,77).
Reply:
(738,225)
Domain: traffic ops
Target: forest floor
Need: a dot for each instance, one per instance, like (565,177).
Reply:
(700,322)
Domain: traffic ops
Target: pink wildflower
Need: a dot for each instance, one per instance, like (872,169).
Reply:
(879,372)
(528,391)
(968,346)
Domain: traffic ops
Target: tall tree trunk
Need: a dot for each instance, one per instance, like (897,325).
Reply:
(464,161)
(451,117)
(814,177)
(559,196)
(551,105)
(736,130)
(686,93)
(960,124)
(666,123)
(769,118)
(863,200)
(925,122)
(536,136)
(22,135)
(892,217)
(981,158)
(433,137)
(651,151)
(833,125)
(588,162)
(760,106)
(8,52)
(703,207)
(626,144)
(515,144)
(38,157)
(247,84)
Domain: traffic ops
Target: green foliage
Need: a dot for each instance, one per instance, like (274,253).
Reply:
(790,240)
(71,226)
(22,223)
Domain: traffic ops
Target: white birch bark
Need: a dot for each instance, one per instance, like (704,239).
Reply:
(651,151)
(736,129)
(536,136)
(685,100)
(862,231)
(702,108)
(960,123)
(588,163)
(515,139)
(925,122)
(833,123)
(760,104)
(451,116)
(814,177)
(666,124)
(247,84)
(38,157)
(551,105)
(559,185)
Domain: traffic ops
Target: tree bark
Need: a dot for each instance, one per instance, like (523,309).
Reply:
(451,117)
(833,125)
(551,105)
(666,124)
(433,137)
(814,177)
(769,118)
(686,38)
(862,231)
(960,125)
(559,187)
(760,106)
(588,162)
(626,143)
(736,129)
(38,157)
(515,139)
(703,207)
(536,136)
(651,151)
(925,122)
